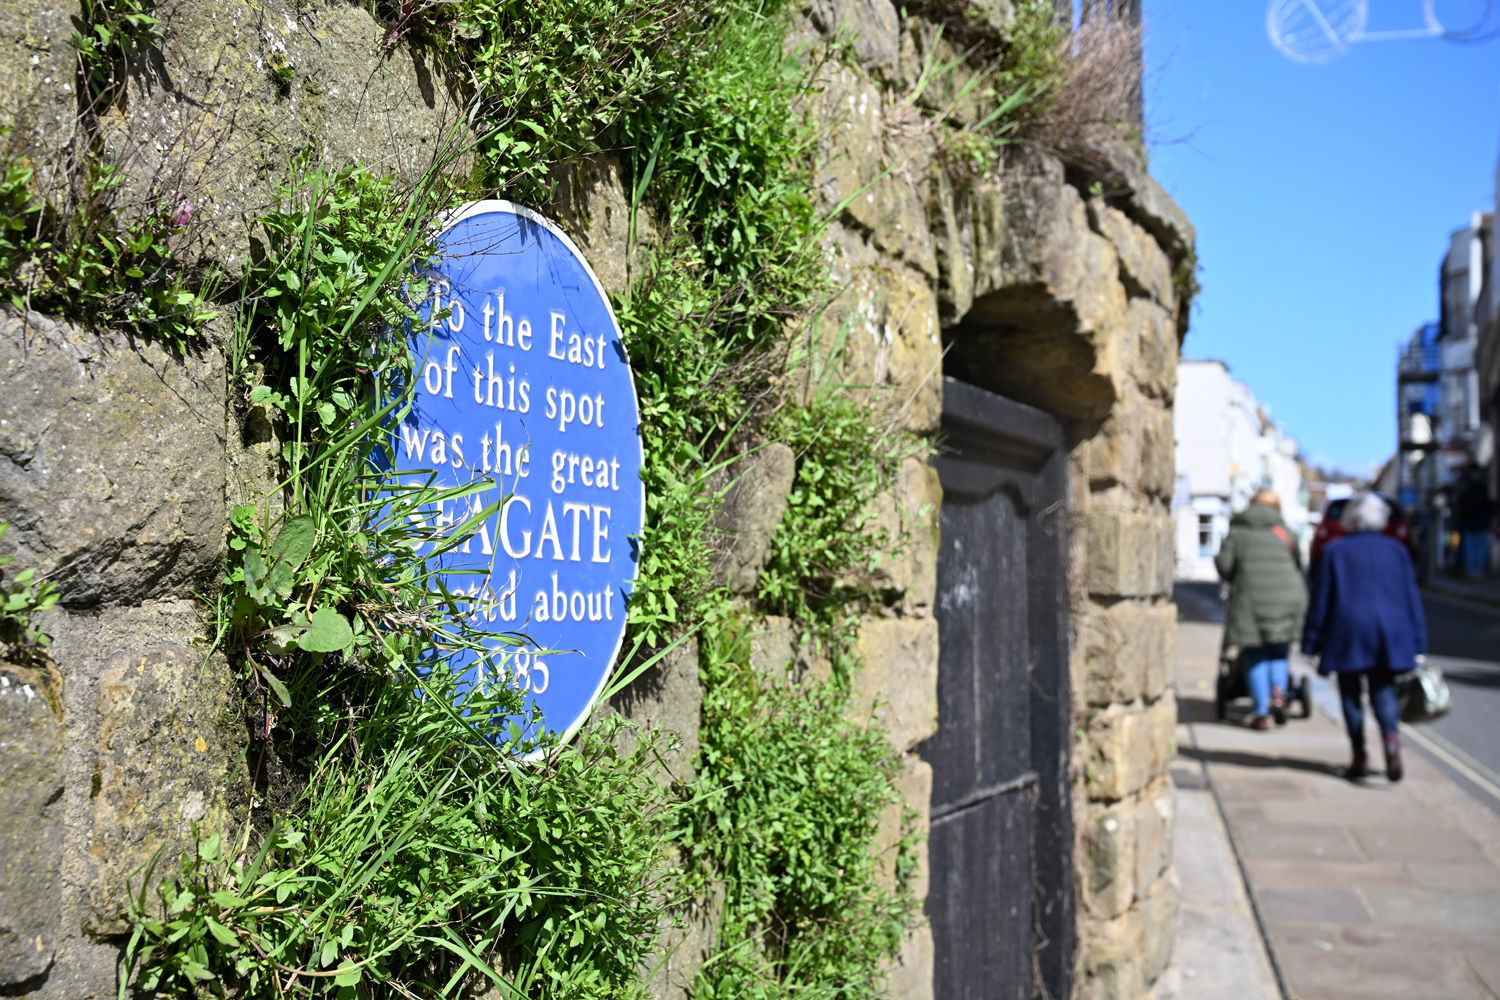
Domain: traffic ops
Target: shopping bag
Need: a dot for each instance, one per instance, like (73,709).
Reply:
(1423,692)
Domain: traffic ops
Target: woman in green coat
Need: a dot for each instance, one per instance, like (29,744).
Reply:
(1267,600)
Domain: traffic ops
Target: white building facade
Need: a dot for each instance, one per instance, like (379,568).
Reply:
(1227,449)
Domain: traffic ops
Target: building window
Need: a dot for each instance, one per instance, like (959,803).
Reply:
(1205,536)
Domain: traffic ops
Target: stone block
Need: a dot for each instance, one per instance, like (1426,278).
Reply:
(779,649)
(1119,748)
(1158,452)
(773,645)
(32,772)
(951,221)
(1110,856)
(1162,719)
(1114,455)
(1123,957)
(667,699)
(909,975)
(856,169)
(1150,205)
(1047,324)
(919,493)
(1144,268)
(1095,653)
(356,95)
(872,26)
(1130,553)
(1152,334)
(589,202)
(1113,952)
(168,755)
(755,494)
(38,71)
(1119,561)
(882,333)
(1129,746)
(1152,818)
(909,516)
(1127,650)
(687,935)
(1159,911)
(914,785)
(897,686)
(1163,531)
(113,478)
(1161,669)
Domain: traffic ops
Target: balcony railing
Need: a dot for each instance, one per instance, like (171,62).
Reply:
(1419,362)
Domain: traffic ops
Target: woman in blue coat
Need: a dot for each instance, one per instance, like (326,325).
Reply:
(1365,624)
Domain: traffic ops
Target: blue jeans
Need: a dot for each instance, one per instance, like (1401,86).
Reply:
(1476,552)
(1265,667)
(1383,697)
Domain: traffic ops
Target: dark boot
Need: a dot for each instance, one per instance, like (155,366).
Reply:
(1278,706)
(1360,768)
(1393,769)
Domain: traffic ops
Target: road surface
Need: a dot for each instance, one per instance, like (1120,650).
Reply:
(1464,639)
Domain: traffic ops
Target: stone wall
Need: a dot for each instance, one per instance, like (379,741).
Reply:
(1052,284)
(118,462)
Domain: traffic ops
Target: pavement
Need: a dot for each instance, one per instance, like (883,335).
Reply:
(1298,883)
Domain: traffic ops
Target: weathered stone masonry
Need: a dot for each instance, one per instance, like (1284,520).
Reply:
(118,463)
(1055,287)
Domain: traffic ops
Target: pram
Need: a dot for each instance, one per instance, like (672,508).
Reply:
(1232,684)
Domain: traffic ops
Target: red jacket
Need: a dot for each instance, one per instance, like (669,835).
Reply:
(1332,527)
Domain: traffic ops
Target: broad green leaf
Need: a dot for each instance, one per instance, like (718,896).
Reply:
(218,930)
(255,575)
(328,632)
(295,540)
(283,578)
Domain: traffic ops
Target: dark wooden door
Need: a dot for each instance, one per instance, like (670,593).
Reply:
(1001,846)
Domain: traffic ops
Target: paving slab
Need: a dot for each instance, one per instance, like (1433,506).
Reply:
(1486,967)
(1366,890)
(1271,872)
(1379,976)
(1313,906)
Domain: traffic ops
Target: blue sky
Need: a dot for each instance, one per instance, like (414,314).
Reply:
(1323,197)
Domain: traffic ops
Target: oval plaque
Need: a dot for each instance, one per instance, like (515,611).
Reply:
(523,379)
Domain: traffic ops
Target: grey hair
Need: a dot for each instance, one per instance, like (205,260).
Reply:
(1366,512)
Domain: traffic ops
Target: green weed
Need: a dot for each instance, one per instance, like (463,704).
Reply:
(402,848)
(81,259)
(21,641)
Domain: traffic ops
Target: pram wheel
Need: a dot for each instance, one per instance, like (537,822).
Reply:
(1304,697)
(1222,696)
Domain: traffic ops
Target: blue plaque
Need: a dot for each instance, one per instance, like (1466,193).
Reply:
(523,379)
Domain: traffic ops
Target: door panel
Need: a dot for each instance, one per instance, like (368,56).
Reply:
(985,739)
(984,856)
(1000,846)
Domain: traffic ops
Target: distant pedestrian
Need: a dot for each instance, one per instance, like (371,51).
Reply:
(1366,625)
(1267,599)
(1472,512)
